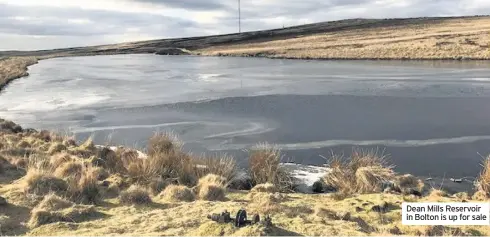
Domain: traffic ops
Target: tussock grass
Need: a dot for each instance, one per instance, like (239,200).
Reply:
(364,172)
(70,169)
(157,185)
(178,193)
(211,188)
(135,195)
(221,165)
(264,166)
(56,148)
(59,159)
(408,182)
(264,188)
(212,192)
(483,181)
(41,183)
(77,213)
(165,143)
(53,202)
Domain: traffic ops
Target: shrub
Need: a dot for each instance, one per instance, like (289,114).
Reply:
(178,193)
(364,172)
(135,195)
(483,181)
(264,163)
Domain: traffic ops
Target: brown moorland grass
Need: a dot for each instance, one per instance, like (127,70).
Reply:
(264,160)
(447,39)
(135,195)
(55,211)
(12,68)
(483,181)
(363,172)
(178,193)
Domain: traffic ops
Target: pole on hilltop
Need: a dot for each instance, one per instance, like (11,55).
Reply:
(239,18)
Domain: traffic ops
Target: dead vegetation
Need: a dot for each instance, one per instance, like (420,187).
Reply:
(54,190)
(178,193)
(135,195)
(363,172)
(483,181)
(264,167)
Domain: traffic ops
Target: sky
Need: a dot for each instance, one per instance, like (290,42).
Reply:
(47,24)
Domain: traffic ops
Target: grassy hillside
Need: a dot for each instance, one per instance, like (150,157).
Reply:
(410,38)
(53,185)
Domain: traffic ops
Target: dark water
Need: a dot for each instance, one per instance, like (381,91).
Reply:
(431,117)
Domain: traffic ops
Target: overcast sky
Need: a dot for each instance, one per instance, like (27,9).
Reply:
(44,24)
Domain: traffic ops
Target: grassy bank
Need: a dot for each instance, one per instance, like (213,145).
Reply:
(53,185)
(13,68)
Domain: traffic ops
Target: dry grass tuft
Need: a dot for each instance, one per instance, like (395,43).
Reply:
(264,188)
(100,173)
(266,203)
(70,169)
(166,143)
(39,183)
(212,192)
(76,214)
(56,148)
(364,172)
(479,196)
(483,181)
(157,185)
(110,160)
(439,230)
(264,163)
(135,195)
(178,193)
(58,159)
(409,182)
(222,165)
(436,194)
(87,189)
(371,178)
(53,202)
(212,179)
(211,188)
